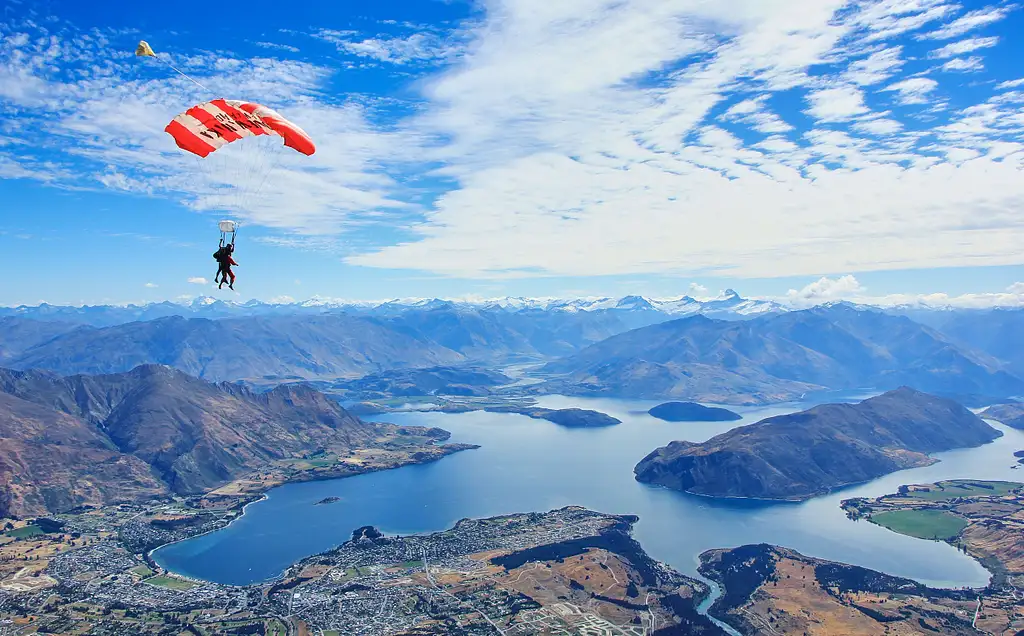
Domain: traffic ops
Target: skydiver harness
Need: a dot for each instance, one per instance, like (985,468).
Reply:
(227,229)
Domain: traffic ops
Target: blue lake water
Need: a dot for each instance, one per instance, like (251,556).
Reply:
(534,465)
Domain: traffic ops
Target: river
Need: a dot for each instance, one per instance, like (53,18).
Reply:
(533,465)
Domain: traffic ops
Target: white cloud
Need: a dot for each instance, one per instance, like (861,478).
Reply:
(887,19)
(151,285)
(418,47)
(877,67)
(915,90)
(198,280)
(282,300)
(879,126)
(110,111)
(698,291)
(279,47)
(964,65)
(849,289)
(837,104)
(825,289)
(587,137)
(1013,297)
(597,175)
(970,21)
(1010,84)
(964,46)
(754,113)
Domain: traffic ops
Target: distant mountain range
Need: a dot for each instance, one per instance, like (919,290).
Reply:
(68,441)
(728,305)
(278,347)
(809,453)
(729,350)
(780,357)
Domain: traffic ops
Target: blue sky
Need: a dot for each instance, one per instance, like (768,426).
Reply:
(803,149)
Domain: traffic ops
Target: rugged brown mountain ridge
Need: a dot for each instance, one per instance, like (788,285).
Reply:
(805,454)
(151,431)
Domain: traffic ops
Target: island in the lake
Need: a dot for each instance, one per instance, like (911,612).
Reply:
(569,418)
(692,412)
(568,571)
(802,455)
(327,500)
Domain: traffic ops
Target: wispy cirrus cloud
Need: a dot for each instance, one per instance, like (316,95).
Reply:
(419,46)
(620,168)
(964,64)
(964,46)
(90,120)
(971,21)
(588,137)
(916,90)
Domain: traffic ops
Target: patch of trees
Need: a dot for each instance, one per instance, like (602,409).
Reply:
(282,587)
(741,571)
(366,532)
(354,587)
(625,604)
(48,525)
(180,522)
(876,615)
(925,625)
(613,540)
(852,578)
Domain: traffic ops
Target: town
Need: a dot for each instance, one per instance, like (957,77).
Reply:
(568,571)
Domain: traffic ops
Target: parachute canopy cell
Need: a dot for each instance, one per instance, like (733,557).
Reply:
(206,127)
(227,226)
(144,50)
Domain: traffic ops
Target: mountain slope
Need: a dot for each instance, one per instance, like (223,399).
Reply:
(231,349)
(20,334)
(496,334)
(805,454)
(1011,415)
(163,430)
(779,357)
(997,332)
(52,461)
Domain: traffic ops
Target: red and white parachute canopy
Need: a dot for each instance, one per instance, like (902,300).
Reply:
(206,127)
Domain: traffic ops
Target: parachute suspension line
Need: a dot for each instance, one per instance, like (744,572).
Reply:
(276,155)
(268,164)
(176,70)
(145,50)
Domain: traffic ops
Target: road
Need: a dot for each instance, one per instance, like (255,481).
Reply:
(430,577)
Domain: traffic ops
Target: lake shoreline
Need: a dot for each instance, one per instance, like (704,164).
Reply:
(427,499)
(249,499)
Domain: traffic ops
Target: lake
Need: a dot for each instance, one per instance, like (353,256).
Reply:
(533,465)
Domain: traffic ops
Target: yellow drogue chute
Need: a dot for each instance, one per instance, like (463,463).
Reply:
(144,49)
